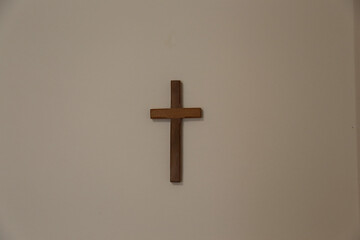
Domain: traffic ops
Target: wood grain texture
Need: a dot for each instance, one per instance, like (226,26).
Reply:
(172,113)
(176,101)
(176,113)
(175,133)
(175,150)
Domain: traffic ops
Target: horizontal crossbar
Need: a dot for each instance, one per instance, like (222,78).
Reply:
(175,113)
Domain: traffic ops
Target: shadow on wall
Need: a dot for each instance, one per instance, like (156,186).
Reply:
(357,80)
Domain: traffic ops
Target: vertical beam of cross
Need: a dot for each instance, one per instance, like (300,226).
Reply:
(175,135)
(176,113)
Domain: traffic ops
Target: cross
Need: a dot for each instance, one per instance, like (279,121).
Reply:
(176,113)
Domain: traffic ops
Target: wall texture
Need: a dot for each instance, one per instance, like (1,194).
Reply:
(274,157)
(357,78)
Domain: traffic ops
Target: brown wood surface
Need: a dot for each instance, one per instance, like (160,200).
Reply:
(175,150)
(175,134)
(176,101)
(176,113)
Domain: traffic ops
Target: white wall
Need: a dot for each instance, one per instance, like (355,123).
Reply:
(274,157)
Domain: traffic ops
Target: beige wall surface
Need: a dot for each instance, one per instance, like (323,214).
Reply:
(274,157)
(357,78)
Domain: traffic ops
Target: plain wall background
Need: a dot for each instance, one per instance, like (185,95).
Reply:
(357,77)
(273,158)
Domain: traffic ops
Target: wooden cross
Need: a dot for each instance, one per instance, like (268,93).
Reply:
(176,113)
